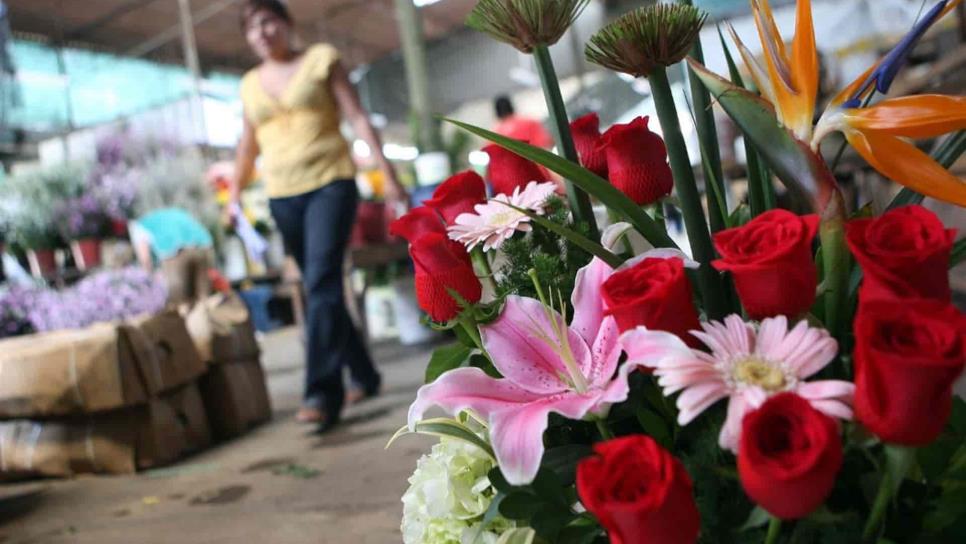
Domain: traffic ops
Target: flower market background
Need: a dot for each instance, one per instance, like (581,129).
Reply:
(127,417)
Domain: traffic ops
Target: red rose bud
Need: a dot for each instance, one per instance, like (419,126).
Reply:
(655,293)
(637,162)
(417,222)
(442,266)
(639,492)
(908,353)
(789,456)
(507,170)
(771,261)
(458,195)
(904,253)
(586,135)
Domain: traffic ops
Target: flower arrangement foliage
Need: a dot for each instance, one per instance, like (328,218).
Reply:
(786,378)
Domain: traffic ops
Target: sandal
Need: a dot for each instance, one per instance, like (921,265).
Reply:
(308,414)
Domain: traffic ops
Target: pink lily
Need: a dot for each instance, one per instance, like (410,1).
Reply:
(547,366)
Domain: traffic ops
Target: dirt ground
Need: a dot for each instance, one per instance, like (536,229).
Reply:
(279,484)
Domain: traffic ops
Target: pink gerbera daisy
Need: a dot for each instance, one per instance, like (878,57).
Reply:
(494,222)
(747,364)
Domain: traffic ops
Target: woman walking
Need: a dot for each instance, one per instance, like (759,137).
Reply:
(294,101)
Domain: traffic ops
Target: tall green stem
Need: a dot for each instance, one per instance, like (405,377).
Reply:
(836,261)
(603,429)
(483,267)
(898,461)
(774,531)
(709,282)
(560,125)
(708,134)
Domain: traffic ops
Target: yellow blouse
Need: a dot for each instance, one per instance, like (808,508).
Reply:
(298,133)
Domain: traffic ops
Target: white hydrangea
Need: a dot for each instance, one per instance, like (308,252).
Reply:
(448,495)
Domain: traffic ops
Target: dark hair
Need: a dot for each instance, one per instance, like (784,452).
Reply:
(276,7)
(503,106)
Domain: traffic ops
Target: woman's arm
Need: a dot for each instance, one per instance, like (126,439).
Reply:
(245,156)
(348,101)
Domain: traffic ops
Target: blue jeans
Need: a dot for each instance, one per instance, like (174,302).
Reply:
(316,227)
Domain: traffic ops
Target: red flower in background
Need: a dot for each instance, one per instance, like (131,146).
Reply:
(457,195)
(507,170)
(441,266)
(586,134)
(908,354)
(789,456)
(655,293)
(417,222)
(771,261)
(639,492)
(904,253)
(637,162)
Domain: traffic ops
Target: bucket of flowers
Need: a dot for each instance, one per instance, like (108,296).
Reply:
(84,223)
(786,378)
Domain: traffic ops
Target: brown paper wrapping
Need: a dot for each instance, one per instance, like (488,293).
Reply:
(222,330)
(68,372)
(117,442)
(166,354)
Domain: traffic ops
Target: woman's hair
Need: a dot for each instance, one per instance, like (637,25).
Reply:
(276,7)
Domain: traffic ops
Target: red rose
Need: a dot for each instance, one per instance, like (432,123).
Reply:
(637,162)
(507,170)
(904,253)
(907,355)
(639,492)
(771,261)
(655,293)
(440,267)
(417,222)
(586,134)
(789,456)
(458,195)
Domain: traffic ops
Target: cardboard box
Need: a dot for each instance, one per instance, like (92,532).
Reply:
(69,372)
(118,442)
(171,427)
(236,398)
(166,353)
(222,330)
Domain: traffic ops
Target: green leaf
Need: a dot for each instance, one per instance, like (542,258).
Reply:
(517,536)
(491,513)
(802,172)
(758,518)
(499,482)
(583,531)
(583,178)
(445,359)
(548,522)
(519,505)
(655,426)
(483,363)
(549,488)
(572,236)
(563,460)
(445,427)
(959,253)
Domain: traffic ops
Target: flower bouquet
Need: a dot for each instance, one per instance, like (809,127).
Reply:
(786,378)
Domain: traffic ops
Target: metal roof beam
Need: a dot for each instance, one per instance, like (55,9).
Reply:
(174,32)
(119,11)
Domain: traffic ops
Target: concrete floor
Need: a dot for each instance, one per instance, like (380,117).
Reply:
(278,484)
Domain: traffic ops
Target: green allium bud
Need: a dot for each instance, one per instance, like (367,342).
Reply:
(525,24)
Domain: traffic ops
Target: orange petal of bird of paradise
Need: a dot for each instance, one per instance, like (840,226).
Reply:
(920,116)
(903,163)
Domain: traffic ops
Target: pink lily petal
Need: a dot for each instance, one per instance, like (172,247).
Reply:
(468,389)
(587,301)
(514,342)
(655,349)
(517,433)
(605,353)
(731,430)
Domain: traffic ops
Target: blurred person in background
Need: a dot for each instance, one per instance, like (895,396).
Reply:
(174,241)
(519,127)
(294,101)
